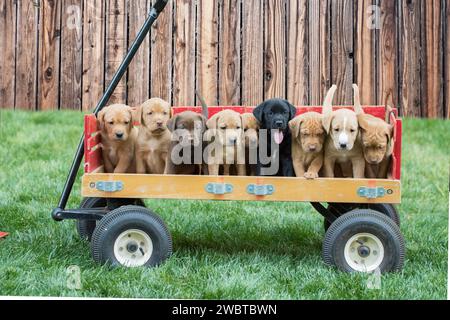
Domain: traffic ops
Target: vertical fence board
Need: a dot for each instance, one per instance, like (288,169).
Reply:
(184,60)
(298,53)
(7,53)
(27,55)
(139,70)
(207,50)
(275,49)
(161,56)
(93,52)
(116,45)
(387,55)
(365,54)
(71,54)
(230,53)
(49,49)
(432,67)
(409,27)
(342,49)
(447,58)
(252,52)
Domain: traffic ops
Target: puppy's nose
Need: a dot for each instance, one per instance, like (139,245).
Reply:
(159,123)
(279,124)
(312,148)
(119,135)
(343,146)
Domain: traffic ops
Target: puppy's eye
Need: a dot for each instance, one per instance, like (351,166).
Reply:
(239,128)
(150,113)
(223,127)
(352,130)
(380,147)
(336,130)
(166,113)
(111,122)
(127,122)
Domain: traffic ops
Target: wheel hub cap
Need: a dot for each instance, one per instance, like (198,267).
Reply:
(133,248)
(364,252)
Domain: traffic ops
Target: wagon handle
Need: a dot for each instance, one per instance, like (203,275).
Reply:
(159,6)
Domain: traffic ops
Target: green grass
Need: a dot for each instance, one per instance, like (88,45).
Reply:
(221,250)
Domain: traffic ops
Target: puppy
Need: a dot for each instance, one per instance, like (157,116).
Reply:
(275,138)
(376,137)
(251,128)
(118,138)
(186,148)
(228,146)
(343,144)
(307,144)
(153,140)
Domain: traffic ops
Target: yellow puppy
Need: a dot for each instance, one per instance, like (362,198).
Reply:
(228,147)
(308,137)
(251,129)
(153,139)
(118,138)
(376,137)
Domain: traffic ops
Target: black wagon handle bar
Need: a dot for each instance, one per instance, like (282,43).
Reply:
(157,8)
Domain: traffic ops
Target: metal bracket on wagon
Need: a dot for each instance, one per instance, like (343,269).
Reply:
(108,186)
(261,190)
(372,193)
(219,188)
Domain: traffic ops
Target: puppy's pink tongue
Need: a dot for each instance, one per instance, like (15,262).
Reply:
(278,137)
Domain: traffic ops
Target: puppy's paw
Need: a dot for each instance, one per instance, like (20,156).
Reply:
(311,175)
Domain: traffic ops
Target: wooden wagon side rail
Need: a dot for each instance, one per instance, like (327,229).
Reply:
(240,188)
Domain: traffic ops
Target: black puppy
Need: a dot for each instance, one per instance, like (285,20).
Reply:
(274,116)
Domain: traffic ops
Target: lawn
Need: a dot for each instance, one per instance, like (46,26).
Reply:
(223,250)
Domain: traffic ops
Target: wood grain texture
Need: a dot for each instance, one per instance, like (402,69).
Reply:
(194,187)
(431,40)
(319,53)
(26,55)
(447,58)
(49,57)
(7,53)
(184,60)
(139,70)
(208,50)
(298,52)
(342,50)
(409,58)
(116,46)
(387,55)
(93,52)
(275,49)
(252,52)
(161,55)
(230,53)
(71,54)
(365,51)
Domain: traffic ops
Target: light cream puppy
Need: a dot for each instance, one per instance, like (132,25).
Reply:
(228,147)
(376,137)
(343,145)
(308,137)
(118,138)
(153,140)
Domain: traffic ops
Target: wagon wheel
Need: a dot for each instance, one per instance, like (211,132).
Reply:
(339,209)
(364,240)
(131,236)
(85,228)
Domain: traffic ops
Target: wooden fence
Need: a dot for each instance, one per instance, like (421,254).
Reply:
(60,54)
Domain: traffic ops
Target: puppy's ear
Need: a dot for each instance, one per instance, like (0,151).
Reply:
(212,122)
(326,122)
(389,131)
(362,121)
(258,112)
(101,119)
(171,124)
(131,112)
(292,110)
(295,125)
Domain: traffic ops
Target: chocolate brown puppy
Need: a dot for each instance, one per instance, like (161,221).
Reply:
(185,154)
(118,138)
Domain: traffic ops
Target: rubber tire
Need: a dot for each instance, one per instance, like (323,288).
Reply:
(387,209)
(364,221)
(130,217)
(85,228)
